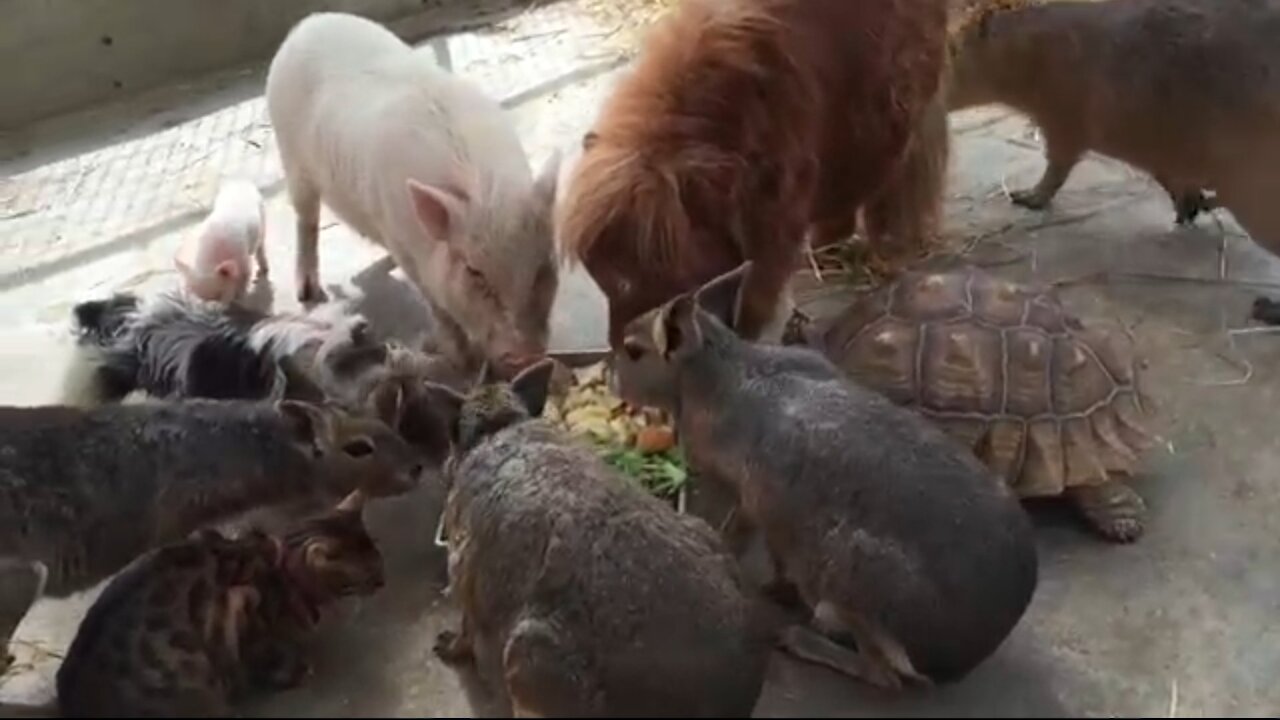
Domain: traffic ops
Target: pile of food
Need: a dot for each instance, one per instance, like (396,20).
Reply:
(639,443)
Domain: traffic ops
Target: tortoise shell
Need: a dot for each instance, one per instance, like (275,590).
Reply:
(1046,402)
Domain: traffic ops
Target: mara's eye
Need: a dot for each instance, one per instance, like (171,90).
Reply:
(634,350)
(358,448)
(475,274)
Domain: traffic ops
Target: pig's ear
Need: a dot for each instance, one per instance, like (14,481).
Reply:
(544,190)
(532,385)
(226,269)
(183,269)
(675,327)
(438,210)
(446,404)
(722,297)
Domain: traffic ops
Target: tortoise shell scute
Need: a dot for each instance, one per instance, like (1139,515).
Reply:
(1046,401)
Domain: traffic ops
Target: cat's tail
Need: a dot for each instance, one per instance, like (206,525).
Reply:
(19,710)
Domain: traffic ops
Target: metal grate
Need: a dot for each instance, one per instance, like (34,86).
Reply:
(89,204)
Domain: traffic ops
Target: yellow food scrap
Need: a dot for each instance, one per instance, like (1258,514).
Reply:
(590,409)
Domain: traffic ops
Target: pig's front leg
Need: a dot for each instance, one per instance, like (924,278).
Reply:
(260,254)
(306,203)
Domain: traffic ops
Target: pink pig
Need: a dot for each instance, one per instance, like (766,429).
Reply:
(424,163)
(214,262)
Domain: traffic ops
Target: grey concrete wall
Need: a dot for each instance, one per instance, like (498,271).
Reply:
(61,55)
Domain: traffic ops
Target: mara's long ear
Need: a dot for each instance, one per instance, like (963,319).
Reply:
(446,404)
(352,503)
(488,374)
(388,403)
(532,386)
(722,297)
(675,327)
(308,424)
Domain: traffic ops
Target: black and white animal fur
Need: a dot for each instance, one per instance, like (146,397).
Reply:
(171,346)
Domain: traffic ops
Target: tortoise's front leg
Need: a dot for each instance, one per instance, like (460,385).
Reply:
(1114,509)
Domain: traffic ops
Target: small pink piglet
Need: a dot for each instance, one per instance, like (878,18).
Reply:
(214,262)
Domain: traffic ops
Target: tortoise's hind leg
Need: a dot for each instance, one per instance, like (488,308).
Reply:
(1114,509)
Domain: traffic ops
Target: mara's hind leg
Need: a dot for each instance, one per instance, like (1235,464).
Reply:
(1062,152)
(1253,197)
(1266,310)
(456,648)
(1188,202)
(544,678)
(813,643)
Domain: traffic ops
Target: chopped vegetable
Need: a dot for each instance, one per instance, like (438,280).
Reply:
(655,439)
(640,444)
(663,474)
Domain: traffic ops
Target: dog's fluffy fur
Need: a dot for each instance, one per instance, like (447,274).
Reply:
(170,346)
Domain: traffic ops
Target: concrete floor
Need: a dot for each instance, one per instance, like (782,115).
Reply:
(1185,622)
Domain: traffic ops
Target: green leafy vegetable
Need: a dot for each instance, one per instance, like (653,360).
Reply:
(664,474)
